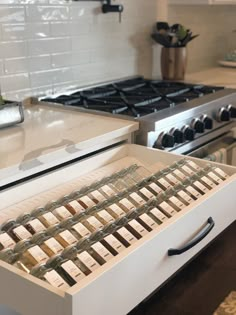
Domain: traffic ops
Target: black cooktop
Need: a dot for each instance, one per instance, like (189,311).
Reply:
(134,97)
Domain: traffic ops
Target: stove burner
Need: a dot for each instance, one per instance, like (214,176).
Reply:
(135,97)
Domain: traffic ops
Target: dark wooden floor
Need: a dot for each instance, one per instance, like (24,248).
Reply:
(202,285)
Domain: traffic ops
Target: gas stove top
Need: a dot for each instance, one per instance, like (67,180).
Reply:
(135,97)
(173,116)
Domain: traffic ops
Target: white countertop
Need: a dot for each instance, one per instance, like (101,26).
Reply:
(50,136)
(222,76)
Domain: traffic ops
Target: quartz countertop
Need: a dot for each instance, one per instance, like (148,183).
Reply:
(50,136)
(220,76)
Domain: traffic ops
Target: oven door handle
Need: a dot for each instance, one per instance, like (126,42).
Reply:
(201,235)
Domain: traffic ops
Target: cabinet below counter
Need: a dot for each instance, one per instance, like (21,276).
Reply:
(220,76)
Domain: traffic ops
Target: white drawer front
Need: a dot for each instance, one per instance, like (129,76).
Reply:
(123,282)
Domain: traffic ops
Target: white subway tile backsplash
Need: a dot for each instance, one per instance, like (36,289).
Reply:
(50,45)
(47,13)
(15,82)
(10,14)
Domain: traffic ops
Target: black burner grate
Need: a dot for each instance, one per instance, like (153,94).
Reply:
(135,97)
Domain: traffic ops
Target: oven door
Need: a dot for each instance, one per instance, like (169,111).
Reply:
(221,150)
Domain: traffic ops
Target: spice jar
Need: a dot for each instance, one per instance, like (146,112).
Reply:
(46,217)
(9,256)
(17,231)
(29,255)
(62,235)
(67,269)
(48,244)
(6,241)
(32,224)
(46,273)
(83,260)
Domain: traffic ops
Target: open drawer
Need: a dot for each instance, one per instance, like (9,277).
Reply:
(128,278)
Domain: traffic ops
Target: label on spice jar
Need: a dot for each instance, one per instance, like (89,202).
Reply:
(86,202)
(167,208)
(49,219)
(76,206)
(102,251)
(172,179)
(159,215)
(53,246)
(126,235)
(88,261)
(200,186)
(21,233)
(185,196)
(37,254)
(62,213)
(127,204)
(53,278)
(97,196)
(81,229)
(114,243)
(146,219)
(193,165)
(193,192)
(147,193)
(139,200)
(179,204)
(208,181)
(156,188)
(188,170)
(73,270)
(179,174)
(221,173)
(66,238)
(108,190)
(94,222)
(36,225)
(105,217)
(138,227)
(6,241)
(116,211)
(215,177)
(164,183)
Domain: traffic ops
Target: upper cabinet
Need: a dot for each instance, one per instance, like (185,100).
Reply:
(202,2)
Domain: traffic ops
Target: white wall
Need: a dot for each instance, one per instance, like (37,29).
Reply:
(214,23)
(47,45)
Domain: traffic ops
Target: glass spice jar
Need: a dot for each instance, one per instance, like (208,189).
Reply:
(46,217)
(67,269)
(51,276)
(9,256)
(62,235)
(47,243)
(29,255)
(83,260)
(6,241)
(32,224)
(17,231)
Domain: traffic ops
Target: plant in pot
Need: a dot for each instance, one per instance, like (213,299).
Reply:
(174,40)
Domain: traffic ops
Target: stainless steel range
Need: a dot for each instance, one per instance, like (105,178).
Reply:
(173,116)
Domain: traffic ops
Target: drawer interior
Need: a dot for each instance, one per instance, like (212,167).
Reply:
(53,186)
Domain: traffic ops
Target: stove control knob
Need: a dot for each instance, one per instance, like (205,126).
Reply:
(232,111)
(189,133)
(178,135)
(208,122)
(165,140)
(223,114)
(198,125)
